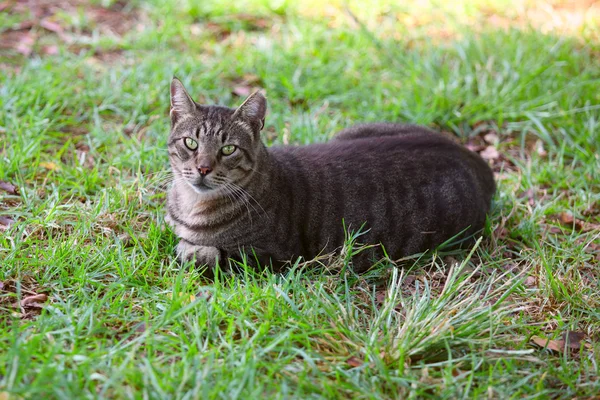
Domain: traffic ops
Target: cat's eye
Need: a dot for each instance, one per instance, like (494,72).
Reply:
(228,150)
(190,143)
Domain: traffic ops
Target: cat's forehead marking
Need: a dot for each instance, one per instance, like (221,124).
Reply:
(211,128)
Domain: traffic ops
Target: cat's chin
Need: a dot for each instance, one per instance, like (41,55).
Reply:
(201,188)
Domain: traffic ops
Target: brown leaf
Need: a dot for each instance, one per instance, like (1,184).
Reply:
(566,218)
(530,281)
(5,222)
(491,138)
(242,90)
(30,301)
(587,226)
(380,297)
(354,362)
(8,187)
(555,230)
(474,147)
(592,210)
(593,247)
(490,153)
(25,44)
(573,339)
(554,345)
(50,50)
(410,279)
(51,26)
(501,233)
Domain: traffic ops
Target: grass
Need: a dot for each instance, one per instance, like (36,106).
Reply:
(83,137)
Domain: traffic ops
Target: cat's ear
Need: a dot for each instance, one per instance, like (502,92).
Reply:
(181,102)
(254,108)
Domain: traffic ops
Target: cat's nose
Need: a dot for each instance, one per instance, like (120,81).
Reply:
(204,169)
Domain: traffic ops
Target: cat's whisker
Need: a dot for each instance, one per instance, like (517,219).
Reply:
(246,193)
(238,196)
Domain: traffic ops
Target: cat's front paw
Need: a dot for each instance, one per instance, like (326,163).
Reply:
(169,221)
(202,255)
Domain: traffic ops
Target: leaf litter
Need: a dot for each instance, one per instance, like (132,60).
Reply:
(33,299)
(571,342)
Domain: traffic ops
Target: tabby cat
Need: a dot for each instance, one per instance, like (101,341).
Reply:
(408,188)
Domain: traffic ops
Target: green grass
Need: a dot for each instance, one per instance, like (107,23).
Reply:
(83,136)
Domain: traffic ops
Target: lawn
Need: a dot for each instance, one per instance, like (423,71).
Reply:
(93,303)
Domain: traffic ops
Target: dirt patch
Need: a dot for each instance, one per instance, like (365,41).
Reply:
(43,23)
(23,298)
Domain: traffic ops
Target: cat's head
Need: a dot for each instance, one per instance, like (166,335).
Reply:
(212,147)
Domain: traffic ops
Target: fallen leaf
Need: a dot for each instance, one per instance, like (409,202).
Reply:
(592,210)
(555,230)
(490,153)
(554,345)
(566,218)
(593,247)
(410,279)
(50,50)
(474,147)
(5,223)
(8,187)
(49,166)
(501,232)
(51,26)
(573,339)
(242,90)
(29,301)
(530,281)
(354,362)
(491,138)
(25,45)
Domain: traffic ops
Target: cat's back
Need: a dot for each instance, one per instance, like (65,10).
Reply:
(413,188)
(401,149)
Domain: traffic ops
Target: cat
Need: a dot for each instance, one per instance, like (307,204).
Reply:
(404,187)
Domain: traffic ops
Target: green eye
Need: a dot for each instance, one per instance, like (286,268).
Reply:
(228,150)
(190,143)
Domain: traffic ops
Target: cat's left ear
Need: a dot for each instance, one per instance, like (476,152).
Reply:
(181,102)
(254,108)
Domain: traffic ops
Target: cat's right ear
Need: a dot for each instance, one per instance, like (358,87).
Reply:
(181,102)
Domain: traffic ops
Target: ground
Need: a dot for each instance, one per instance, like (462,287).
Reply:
(92,302)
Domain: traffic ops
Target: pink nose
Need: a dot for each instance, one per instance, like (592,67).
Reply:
(204,170)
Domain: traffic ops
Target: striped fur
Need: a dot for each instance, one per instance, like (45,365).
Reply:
(411,188)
